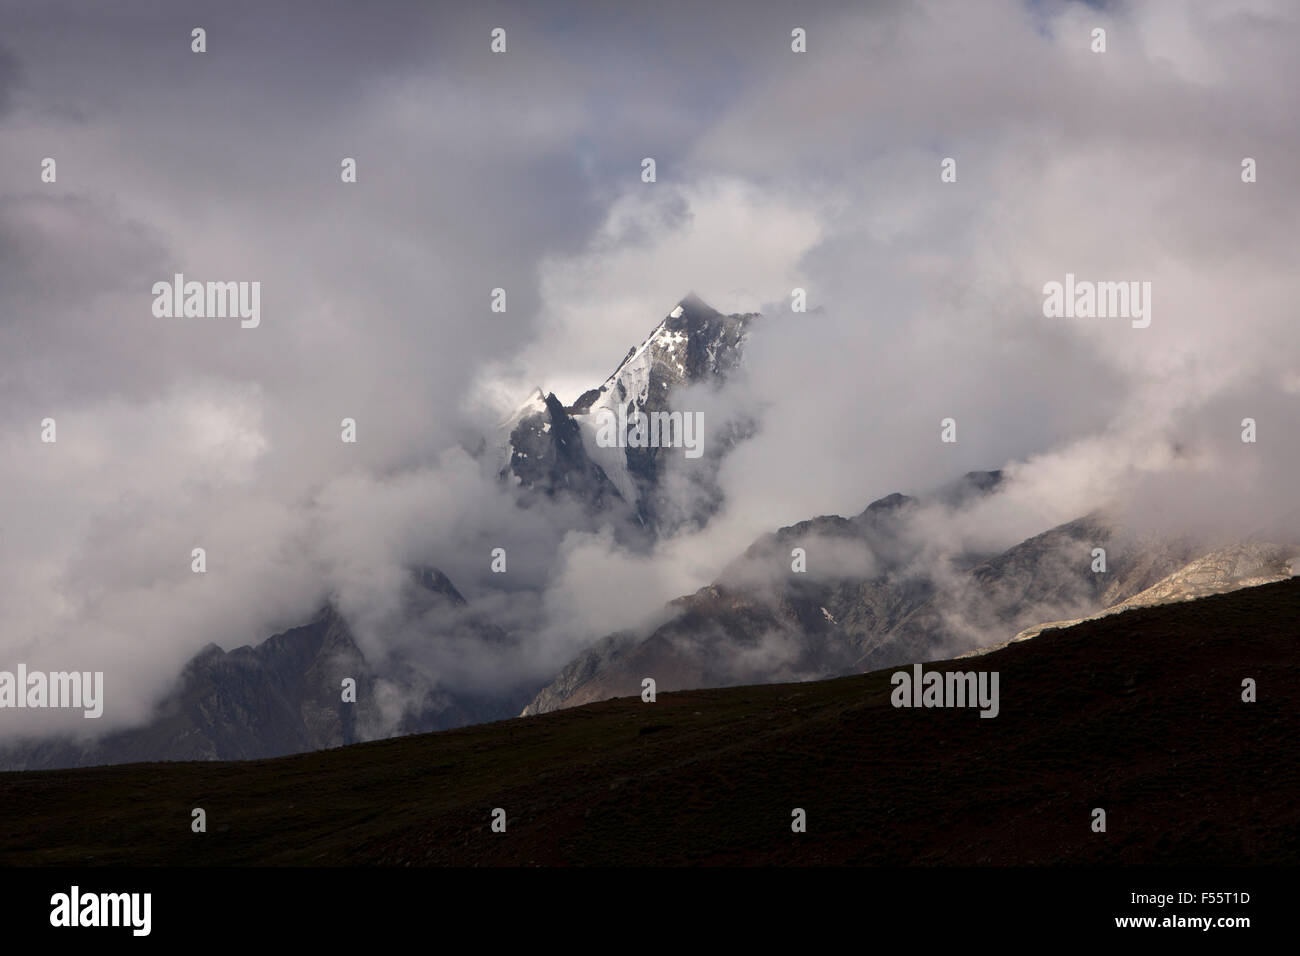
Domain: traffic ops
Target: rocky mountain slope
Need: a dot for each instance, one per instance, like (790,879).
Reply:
(1244,565)
(870,598)
(280,697)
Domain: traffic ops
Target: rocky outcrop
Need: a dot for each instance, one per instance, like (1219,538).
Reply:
(869,598)
(551,449)
(1243,565)
(282,696)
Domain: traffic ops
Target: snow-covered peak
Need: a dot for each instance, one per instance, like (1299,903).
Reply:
(694,343)
(546,441)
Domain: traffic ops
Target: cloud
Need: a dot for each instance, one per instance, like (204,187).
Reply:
(9,80)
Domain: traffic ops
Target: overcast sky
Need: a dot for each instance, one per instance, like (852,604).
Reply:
(522,170)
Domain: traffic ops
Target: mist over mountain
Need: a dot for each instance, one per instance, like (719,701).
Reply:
(902,581)
(523,173)
(440,662)
(907,579)
(877,593)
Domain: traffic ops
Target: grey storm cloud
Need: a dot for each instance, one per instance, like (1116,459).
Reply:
(522,171)
(8,79)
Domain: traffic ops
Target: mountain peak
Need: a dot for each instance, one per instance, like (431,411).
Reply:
(693,307)
(558,446)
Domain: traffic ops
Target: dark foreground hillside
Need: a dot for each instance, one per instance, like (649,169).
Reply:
(1139,714)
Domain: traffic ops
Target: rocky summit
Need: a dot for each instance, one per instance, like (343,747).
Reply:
(552,449)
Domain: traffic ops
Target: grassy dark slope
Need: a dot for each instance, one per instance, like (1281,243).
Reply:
(1139,713)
